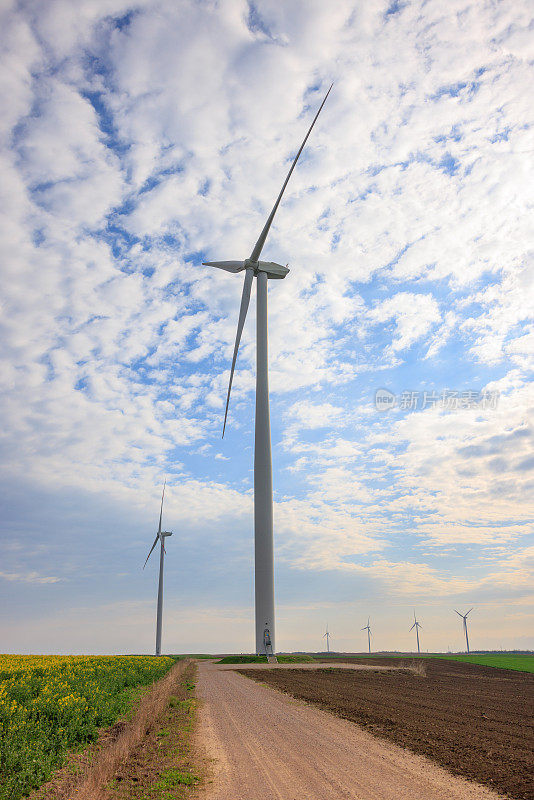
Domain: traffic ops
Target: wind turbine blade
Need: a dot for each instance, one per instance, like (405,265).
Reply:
(245,300)
(228,266)
(460,615)
(161,509)
(153,546)
(469,611)
(413,626)
(258,247)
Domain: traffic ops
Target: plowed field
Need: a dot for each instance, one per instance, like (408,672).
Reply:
(475,721)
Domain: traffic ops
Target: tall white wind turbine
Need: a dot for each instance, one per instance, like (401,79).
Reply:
(368,629)
(464,618)
(416,625)
(327,639)
(161,536)
(263,481)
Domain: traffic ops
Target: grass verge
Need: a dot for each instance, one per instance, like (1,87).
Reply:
(163,766)
(196,656)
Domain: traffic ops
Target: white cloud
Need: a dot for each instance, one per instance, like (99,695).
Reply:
(413,315)
(28,577)
(308,415)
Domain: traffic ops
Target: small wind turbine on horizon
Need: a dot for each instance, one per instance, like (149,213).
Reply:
(464,618)
(161,536)
(327,639)
(263,480)
(368,629)
(416,625)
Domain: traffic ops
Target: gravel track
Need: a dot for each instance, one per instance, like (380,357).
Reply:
(264,744)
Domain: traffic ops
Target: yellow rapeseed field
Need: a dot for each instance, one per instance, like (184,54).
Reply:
(50,704)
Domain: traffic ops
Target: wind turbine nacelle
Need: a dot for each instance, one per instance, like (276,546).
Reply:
(273,270)
(276,271)
(166,533)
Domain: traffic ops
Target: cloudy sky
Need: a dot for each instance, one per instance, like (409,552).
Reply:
(139,138)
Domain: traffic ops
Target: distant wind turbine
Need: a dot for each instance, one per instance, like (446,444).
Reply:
(368,629)
(416,625)
(161,536)
(263,480)
(327,639)
(464,618)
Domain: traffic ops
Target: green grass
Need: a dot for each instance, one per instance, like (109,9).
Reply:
(520,663)
(243,660)
(283,659)
(174,777)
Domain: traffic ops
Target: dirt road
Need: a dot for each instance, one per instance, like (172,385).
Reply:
(267,745)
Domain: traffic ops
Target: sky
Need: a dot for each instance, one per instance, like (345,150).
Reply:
(139,139)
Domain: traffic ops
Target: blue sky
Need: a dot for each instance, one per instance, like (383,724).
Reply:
(139,139)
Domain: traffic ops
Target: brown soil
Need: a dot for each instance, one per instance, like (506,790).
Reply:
(475,721)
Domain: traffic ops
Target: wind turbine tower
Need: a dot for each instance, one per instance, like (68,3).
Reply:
(161,536)
(368,629)
(416,625)
(327,639)
(464,618)
(263,480)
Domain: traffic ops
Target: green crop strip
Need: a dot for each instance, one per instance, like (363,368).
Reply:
(520,663)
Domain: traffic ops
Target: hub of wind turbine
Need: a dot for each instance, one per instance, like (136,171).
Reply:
(263,481)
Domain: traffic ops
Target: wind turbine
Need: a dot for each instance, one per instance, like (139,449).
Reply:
(263,480)
(368,629)
(327,639)
(464,618)
(161,536)
(416,625)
